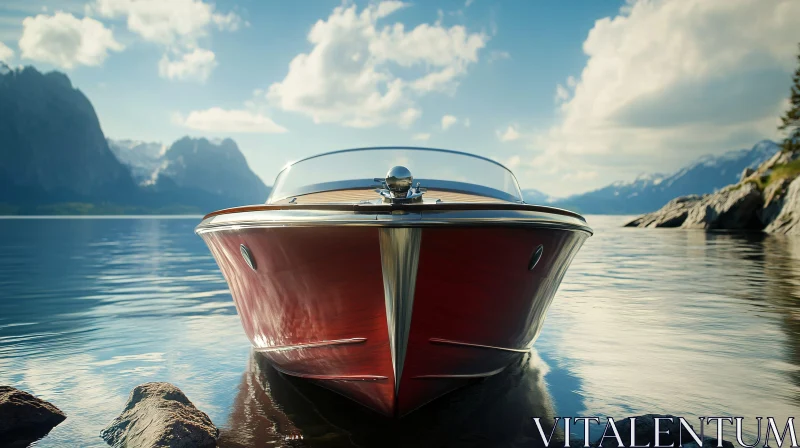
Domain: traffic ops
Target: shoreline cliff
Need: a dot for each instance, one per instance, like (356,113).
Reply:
(765,199)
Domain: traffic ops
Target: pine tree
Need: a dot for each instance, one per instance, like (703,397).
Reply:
(791,119)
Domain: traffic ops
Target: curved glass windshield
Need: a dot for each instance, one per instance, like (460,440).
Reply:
(437,169)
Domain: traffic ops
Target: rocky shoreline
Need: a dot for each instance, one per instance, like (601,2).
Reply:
(156,415)
(25,418)
(766,199)
(159,415)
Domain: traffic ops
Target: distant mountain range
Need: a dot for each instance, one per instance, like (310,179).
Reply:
(55,159)
(648,193)
(216,168)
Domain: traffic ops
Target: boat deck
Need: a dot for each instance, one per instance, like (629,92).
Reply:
(369,194)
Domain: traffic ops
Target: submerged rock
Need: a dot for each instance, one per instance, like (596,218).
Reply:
(160,415)
(23,416)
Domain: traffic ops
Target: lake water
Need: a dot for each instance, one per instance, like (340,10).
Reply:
(646,321)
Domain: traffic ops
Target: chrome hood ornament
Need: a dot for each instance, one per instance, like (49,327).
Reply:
(398,186)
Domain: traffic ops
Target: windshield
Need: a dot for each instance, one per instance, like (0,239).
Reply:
(432,168)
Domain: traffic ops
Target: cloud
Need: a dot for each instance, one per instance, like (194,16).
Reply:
(6,54)
(467,123)
(217,119)
(447,121)
(66,41)
(168,22)
(509,135)
(228,22)
(177,26)
(421,137)
(347,77)
(409,116)
(562,94)
(667,81)
(196,65)
(495,56)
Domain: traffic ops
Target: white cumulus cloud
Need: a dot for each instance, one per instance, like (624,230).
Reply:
(509,135)
(667,81)
(196,65)
(176,25)
(447,121)
(6,54)
(347,77)
(65,41)
(168,22)
(562,94)
(423,137)
(217,119)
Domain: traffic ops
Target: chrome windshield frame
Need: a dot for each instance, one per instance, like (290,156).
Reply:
(519,198)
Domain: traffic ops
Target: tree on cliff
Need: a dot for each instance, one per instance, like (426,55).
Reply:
(791,119)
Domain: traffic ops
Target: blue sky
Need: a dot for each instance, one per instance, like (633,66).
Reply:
(570,95)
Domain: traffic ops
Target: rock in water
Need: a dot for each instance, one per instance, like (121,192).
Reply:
(160,415)
(730,209)
(788,220)
(671,215)
(24,416)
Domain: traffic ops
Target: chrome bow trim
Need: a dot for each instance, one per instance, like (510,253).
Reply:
(415,218)
(280,348)
(331,377)
(457,375)
(469,344)
(399,261)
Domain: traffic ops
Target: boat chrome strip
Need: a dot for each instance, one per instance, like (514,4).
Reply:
(469,344)
(279,348)
(417,218)
(399,262)
(311,376)
(459,375)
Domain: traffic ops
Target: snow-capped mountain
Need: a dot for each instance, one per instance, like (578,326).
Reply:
(648,192)
(143,158)
(532,196)
(192,165)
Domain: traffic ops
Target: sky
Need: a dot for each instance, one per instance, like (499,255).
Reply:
(571,96)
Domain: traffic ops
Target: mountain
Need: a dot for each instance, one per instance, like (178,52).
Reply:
(51,144)
(143,159)
(216,168)
(55,159)
(532,196)
(647,193)
(196,170)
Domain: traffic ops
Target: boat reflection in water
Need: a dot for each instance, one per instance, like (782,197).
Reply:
(272,409)
(393,291)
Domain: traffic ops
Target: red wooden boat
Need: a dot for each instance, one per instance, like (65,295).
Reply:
(389,292)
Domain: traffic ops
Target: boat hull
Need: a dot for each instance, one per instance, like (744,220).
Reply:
(393,317)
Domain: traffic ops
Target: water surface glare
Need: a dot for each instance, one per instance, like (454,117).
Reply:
(646,321)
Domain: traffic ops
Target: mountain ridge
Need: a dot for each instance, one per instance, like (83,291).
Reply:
(649,191)
(55,159)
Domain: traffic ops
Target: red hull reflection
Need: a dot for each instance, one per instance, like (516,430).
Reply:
(315,306)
